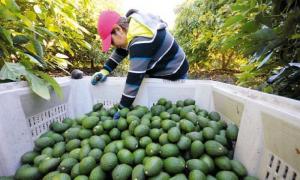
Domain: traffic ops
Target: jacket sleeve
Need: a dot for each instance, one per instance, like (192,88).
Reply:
(139,60)
(115,58)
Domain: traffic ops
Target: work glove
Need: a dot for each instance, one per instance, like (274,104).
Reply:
(116,115)
(99,76)
(119,107)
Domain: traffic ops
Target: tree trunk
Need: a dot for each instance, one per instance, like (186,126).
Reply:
(92,64)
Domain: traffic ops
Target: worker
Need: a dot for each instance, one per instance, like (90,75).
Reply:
(152,50)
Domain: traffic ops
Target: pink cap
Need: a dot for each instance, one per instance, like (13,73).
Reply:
(106,21)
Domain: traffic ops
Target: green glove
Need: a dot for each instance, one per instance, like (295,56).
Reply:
(99,76)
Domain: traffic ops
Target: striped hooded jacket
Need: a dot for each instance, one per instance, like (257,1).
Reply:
(158,57)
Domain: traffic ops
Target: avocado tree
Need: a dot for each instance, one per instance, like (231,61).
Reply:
(197,30)
(266,33)
(42,35)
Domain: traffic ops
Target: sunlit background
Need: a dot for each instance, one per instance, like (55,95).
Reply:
(163,8)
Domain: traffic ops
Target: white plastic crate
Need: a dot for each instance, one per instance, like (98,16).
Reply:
(268,142)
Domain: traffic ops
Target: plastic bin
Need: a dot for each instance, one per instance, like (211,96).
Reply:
(268,142)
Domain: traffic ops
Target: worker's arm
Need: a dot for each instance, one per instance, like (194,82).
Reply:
(139,60)
(114,60)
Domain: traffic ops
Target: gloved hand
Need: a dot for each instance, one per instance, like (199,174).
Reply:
(99,76)
(117,114)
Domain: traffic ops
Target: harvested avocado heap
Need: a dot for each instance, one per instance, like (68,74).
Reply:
(168,141)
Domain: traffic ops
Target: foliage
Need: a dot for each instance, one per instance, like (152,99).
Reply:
(266,32)
(46,35)
(196,29)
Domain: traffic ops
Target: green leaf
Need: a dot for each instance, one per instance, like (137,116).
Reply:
(35,51)
(27,64)
(66,46)
(86,3)
(260,18)
(20,39)
(45,31)
(38,48)
(30,15)
(250,27)
(253,3)
(30,48)
(25,20)
(38,85)
(12,71)
(34,60)
(232,20)
(265,34)
(12,5)
(240,7)
(52,83)
(268,89)
(50,25)
(74,24)
(6,36)
(4,49)
(86,45)
(295,36)
(230,42)
(32,29)
(63,63)
(6,14)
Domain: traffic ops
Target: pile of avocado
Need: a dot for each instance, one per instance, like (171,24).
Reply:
(168,141)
